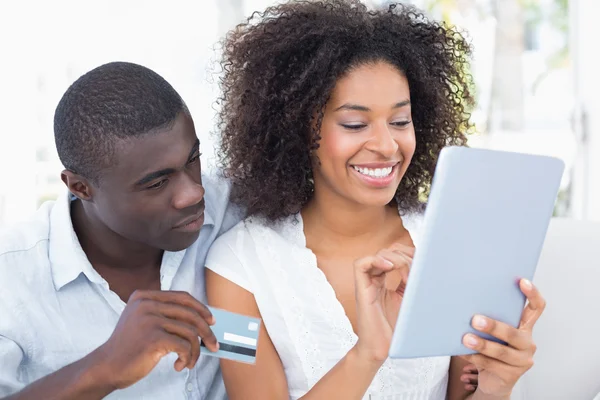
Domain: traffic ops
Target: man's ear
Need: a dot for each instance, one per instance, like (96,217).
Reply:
(77,184)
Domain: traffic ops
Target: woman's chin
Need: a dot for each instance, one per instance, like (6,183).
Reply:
(381,199)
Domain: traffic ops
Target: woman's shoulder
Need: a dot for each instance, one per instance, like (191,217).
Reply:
(244,254)
(413,223)
(253,231)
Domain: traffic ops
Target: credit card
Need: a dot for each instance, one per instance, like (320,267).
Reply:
(237,336)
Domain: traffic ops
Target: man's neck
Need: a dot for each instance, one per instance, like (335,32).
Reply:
(106,249)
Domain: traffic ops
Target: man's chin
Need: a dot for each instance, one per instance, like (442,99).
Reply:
(181,242)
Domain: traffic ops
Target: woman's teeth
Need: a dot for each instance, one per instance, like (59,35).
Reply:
(374,172)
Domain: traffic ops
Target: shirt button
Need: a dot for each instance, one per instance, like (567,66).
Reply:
(189,387)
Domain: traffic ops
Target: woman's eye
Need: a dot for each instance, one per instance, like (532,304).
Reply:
(401,123)
(353,126)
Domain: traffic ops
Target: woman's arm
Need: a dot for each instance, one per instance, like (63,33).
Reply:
(349,379)
(266,378)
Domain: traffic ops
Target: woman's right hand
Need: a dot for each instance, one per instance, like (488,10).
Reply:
(377,306)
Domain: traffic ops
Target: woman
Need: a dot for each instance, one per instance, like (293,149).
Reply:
(332,120)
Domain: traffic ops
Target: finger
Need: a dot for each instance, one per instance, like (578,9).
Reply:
(373,265)
(470,388)
(409,251)
(497,367)
(186,332)
(401,264)
(535,305)
(190,317)
(182,299)
(400,260)
(469,378)
(170,343)
(368,267)
(470,369)
(396,256)
(401,288)
(497,351)
(516,338)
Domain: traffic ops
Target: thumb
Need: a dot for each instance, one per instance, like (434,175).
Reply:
(367,268)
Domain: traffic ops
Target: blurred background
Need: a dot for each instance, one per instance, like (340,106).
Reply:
(535,64)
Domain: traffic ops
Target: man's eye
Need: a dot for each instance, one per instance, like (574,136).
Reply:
(158,184)
(194,159)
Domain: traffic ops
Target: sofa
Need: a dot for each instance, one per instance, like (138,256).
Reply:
(567,362)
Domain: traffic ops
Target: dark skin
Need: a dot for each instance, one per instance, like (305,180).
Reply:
(132,213)
(149,201)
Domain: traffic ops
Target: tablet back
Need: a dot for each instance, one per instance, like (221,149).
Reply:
(483,230)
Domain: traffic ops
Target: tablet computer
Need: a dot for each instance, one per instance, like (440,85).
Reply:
(483,230)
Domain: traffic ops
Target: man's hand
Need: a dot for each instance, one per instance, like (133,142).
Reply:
(154,324)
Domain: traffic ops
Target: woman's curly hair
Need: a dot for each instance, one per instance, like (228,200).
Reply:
(279,69)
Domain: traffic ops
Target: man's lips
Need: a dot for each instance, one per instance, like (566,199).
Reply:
(191,219)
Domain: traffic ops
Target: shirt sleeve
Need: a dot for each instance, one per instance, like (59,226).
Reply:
(11,356)
(224,258)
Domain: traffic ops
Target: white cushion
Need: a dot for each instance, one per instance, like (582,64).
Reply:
(567,363)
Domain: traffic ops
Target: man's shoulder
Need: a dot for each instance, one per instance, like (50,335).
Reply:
(221,210)
(24,258)
(26,235)
(216,184)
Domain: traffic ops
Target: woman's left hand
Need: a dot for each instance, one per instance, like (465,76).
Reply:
(500,366)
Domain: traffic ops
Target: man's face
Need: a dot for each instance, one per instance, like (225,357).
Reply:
(153,194)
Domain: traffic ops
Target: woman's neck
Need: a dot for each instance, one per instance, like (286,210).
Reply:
(332,219)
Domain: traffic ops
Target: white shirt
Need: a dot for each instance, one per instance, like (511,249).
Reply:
(55,308)
(306,322)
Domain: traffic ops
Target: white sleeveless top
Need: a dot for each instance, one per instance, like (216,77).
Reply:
(307,324)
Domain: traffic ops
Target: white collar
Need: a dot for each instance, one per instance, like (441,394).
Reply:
(68,260)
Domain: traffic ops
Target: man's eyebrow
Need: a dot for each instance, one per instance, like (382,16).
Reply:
(167,171)
(155,175)
(195,148)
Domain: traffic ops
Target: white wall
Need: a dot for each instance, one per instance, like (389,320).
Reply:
(586,63)
(46,45)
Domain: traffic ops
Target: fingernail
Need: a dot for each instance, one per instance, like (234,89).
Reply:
(471,340)
(479,322)
(388,262)
(465,379)
(217,345)
(527,284)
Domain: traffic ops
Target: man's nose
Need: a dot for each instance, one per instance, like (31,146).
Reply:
(189,193)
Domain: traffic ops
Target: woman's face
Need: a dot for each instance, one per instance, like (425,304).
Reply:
(367,136)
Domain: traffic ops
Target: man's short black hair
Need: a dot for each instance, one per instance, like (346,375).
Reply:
(114,101)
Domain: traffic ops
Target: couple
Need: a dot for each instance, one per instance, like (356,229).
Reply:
(331,122)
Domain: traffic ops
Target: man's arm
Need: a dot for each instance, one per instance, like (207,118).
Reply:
(11,356)
(153,324)
(84,379)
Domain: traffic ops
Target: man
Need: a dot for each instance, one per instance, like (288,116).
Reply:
(101,292)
